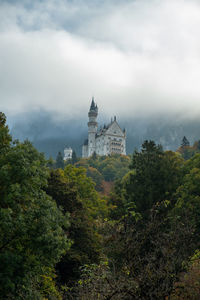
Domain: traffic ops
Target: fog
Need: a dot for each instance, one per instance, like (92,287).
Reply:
(140,59)
(136,57)
(51,135)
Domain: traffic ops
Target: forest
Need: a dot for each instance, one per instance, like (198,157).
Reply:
(116,227)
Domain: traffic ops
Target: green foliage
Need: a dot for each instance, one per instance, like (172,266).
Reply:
(188,197)
(144,257)
(51,163)
(99,282)
(59,161)
(193,162)
(85,188)
(30,222)
(148,238)
(152,230)
(108,168)
(55,228)
(196,146)
(96,177)
(188,151)
(75,192)
(5,138)
(74,157)
(188,287)
(156,176)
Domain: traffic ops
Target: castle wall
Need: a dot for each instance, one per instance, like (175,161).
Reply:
(111,143)
(85,151)
(109,140)
(67,153)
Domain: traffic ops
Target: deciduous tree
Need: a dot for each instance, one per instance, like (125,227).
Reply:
(31,236)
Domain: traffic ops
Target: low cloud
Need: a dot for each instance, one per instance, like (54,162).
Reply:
(135,57)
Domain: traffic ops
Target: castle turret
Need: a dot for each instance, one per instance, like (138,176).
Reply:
(92,127)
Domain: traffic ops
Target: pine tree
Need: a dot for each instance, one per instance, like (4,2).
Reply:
(59,161)
(150,182)
(74,157)
(185,142)
(94,155)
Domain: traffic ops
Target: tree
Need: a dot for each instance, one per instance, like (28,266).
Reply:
(5,138)
(51,163)
(111,167)
(188,200)
(149,237)
(152,231)
(74,157)
(94,155)
(96,177)
(185,149)
(144,259)
(188,287)
(156,176)
(30,222)
(196,146)
(75,192)
(185,142)
(59,161)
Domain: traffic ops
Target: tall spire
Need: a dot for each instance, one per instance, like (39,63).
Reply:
(93,106)
(92,127)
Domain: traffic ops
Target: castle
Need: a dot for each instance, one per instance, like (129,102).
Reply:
(67,153)
(108,140)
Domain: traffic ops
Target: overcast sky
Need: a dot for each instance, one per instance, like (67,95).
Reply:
(134,56)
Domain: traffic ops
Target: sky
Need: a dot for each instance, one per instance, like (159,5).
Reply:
(136,57)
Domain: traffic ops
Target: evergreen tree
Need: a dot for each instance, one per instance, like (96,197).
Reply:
(186,151)
(185,142)
(94,155)
(59,161)
(74,157)
(5,137)
(156,175)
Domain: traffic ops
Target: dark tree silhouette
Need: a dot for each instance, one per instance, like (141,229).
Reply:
(185,142)
(74,157)
(59,161)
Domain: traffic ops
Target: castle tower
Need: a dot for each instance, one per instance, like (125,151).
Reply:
(92,128)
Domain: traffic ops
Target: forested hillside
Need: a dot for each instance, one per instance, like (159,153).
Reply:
(62,237)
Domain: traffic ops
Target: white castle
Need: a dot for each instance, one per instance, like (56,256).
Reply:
(67,153)
(108,140)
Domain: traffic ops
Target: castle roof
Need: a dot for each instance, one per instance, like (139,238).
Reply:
(93,106)
(108,128)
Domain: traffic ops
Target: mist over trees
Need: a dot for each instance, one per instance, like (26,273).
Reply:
(51,133)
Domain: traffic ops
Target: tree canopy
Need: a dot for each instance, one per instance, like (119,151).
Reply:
(61,237)
(31,225)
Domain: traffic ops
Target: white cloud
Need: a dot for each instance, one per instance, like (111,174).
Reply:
(134,56)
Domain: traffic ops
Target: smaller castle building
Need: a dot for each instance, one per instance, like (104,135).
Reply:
(107,140)
(67,153)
